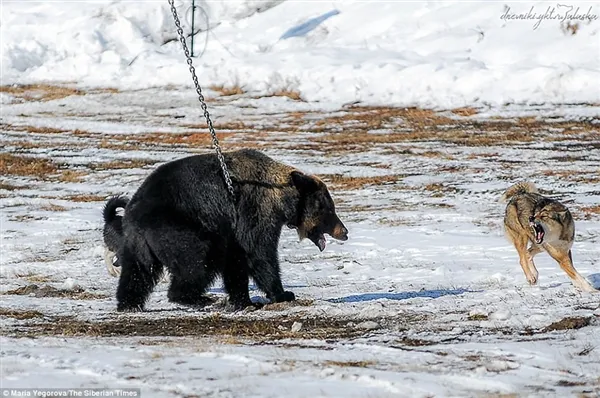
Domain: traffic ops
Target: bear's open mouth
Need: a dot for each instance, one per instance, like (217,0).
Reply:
(538,231)
(320,241)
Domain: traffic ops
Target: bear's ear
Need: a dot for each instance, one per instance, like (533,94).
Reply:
(304,183)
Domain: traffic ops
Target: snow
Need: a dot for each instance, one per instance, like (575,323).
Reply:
(429,293)
(432,54)
(443,277)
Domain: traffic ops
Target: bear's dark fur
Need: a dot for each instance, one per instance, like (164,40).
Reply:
(183,218)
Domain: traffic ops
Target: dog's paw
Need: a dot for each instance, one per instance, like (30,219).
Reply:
(585,286)
(532,278)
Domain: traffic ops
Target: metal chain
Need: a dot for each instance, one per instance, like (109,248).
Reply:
(215,141)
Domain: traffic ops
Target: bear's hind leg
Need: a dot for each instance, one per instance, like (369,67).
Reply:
(235,277)
(139,274)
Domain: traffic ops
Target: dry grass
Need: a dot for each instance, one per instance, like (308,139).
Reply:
(33,129)
(344,182)
(20,314)
(49,291)
(71,175)
(53,207)
(34,278)
(26,218)
(86,198)
(465,112)
(227,91)
(40,168)
(47,92)
(288,304)
(291,94)
(591,209)
(213,325)
(121,164)
(350,364)
(25,166)
(439,190)
(567,323)
(478,317)
(10,187)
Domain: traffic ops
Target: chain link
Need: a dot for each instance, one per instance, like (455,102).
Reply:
(215,141)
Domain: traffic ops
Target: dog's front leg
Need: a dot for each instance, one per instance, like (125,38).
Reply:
(565,260)
(531,252)
(525,260)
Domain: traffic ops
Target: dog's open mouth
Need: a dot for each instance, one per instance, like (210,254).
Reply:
(538,231)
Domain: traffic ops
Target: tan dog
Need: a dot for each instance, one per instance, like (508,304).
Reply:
(547,224)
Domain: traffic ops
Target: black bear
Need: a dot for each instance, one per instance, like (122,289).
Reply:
(183,218)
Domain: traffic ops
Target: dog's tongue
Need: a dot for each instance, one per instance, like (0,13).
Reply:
(321,243)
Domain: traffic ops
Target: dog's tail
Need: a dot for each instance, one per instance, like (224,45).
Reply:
(518,189)
(113,223)
(109,212)
(113,232)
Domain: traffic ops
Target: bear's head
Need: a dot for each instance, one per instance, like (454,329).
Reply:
(316,211)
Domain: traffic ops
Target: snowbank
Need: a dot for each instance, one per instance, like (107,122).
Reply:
(433,54)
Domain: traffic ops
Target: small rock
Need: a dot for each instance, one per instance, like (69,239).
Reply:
(281,327)
(296,326)
(368,325)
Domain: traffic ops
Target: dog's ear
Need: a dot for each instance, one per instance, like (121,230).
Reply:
(304,183)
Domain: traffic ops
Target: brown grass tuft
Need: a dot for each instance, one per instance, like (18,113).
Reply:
(25,166)
(350,183)
(20,314)
(71,175)
(86,198)
(10,187)
(34,278)
(76,293)
(567,323)
(121,164)
(47,92)
(227,91)
(465,112)
(591,209)
(291,94)
(53,207)
(349,364)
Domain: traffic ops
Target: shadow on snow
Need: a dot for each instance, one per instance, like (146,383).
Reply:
(357,298)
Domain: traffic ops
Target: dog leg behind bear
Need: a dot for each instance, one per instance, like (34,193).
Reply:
(264,269)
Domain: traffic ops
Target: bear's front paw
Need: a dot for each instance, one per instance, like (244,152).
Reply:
(285,296)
